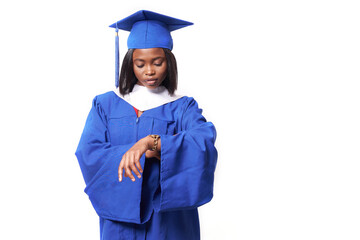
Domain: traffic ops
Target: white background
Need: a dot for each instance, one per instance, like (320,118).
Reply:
(279,79)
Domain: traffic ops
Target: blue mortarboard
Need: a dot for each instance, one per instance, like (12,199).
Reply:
(147,30)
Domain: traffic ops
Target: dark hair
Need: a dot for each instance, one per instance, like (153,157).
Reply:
(128,80)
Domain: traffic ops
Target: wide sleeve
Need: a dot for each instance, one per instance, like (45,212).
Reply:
(188,161)
(99,162)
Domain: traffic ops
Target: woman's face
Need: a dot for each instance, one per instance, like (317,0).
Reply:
(150,66)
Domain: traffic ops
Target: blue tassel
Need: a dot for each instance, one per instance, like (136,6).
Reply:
(117,67)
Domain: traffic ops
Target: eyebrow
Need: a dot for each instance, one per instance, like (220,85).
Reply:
(154,59)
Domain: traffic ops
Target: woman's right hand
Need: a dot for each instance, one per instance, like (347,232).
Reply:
(152,154)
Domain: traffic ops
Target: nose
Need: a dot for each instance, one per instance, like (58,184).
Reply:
(149,71)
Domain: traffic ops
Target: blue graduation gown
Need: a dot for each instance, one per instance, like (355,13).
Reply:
(163,203)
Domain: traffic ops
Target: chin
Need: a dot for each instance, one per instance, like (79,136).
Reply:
(152,86)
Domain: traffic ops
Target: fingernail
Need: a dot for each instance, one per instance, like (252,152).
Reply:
(133,179)
(139,176)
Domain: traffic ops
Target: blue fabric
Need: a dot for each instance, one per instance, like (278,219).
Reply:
(117,61)
(150,34)
(149,29)
(163,203)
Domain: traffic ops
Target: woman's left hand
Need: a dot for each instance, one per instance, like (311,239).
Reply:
(130,161)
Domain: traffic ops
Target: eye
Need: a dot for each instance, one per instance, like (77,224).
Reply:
(139,66)
(158,64)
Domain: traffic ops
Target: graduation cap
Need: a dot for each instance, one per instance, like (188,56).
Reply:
(147,30)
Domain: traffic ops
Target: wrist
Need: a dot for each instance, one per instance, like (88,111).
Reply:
(147,142)
(153,143)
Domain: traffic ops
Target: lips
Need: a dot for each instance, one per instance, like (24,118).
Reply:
(151,81)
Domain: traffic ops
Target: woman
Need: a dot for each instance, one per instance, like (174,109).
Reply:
(147,155)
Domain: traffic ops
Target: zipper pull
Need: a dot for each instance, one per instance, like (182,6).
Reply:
(137,120)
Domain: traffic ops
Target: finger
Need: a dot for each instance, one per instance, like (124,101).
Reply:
(129,174)
(134,169)
(132,166)
(149,154)
(128,171)
(138,165)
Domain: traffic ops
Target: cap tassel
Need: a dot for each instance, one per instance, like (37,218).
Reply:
(117,67)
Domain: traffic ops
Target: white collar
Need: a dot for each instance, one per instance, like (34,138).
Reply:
(144,98)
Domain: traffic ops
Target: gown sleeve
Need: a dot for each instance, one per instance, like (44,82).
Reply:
(99,162)
(188,161)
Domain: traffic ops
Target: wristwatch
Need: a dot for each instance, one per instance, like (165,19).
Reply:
(156,138)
